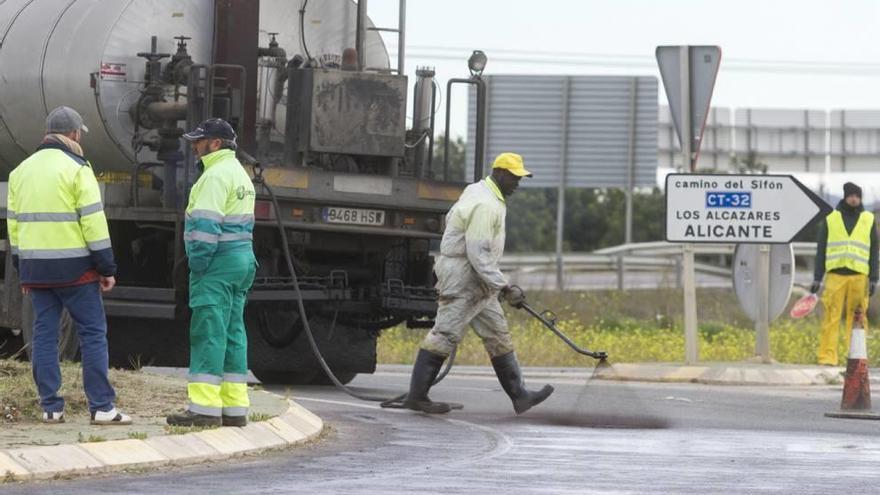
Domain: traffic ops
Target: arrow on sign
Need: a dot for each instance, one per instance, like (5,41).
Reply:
(753,209)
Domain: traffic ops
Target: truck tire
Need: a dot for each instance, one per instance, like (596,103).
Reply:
(68,342)
(279,327)
(10,344)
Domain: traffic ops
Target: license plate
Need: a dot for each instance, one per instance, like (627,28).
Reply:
(355,216)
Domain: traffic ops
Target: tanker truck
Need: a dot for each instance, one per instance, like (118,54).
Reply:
(316,101)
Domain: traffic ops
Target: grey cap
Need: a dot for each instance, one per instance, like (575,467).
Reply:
(63,119)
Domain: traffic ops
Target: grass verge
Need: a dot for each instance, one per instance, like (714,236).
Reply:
(183,430)
(632,326)
(137,393)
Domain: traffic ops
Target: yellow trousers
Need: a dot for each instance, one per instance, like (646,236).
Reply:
(842,294)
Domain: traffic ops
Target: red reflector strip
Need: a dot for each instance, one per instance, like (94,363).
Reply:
(263,210)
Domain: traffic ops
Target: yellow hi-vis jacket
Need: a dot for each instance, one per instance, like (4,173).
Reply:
(55,217)
(852,250)
(220,214)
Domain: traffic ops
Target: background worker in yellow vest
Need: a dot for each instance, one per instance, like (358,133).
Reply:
(60,245)
(218,235)
(846,254)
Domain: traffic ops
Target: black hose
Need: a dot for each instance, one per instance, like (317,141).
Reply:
(386,402)
(302,29)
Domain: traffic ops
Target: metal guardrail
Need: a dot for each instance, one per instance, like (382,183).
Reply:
(642,256)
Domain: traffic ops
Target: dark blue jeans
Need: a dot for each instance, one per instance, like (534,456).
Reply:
(86,308)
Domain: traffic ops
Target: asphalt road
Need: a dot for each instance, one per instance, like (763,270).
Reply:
(590,436)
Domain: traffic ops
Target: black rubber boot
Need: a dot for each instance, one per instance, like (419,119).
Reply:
(239,421)
(425,370)
(189,418)
(510,375)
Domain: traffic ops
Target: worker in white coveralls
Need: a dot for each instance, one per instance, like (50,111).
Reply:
(470,285)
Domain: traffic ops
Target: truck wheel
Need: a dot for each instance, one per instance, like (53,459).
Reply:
(278,327)
(10,344)
(68,342)
(274,377)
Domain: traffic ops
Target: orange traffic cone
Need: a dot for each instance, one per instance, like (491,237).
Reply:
(856,400)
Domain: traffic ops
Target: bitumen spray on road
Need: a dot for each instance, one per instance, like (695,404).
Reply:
(591,411)
(590,399)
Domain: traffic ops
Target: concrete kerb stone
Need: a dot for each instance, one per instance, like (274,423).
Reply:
(290,434)
(294,426)
(125,453)
(56,460)
(721,374)
(9,467)
(183,449)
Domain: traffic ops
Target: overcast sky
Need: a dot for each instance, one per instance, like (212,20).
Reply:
(776,53)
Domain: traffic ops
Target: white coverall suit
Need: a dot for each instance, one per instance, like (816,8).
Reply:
(468,277)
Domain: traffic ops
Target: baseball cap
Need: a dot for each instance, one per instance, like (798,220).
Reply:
(513,163)
(63,120)
(212,128)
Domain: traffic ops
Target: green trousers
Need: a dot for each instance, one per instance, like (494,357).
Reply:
(217,335)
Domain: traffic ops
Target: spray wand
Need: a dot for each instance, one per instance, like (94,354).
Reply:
(549,318)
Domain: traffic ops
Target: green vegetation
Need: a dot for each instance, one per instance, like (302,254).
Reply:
(594,218)
(632,326)
(256,417)
(183,430)
(138,393)
(137,435)
(90,439)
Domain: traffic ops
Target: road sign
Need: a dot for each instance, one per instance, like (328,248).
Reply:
(747,279)
(688,74)
(756,209)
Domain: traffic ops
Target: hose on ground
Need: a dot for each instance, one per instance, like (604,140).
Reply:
(386,402)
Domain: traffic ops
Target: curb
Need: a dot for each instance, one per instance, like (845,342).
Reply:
(722,375)
(295,426)
(717,374)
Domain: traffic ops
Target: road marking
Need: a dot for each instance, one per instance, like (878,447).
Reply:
(338,402)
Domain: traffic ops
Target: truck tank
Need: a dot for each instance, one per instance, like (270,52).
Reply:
(100,75)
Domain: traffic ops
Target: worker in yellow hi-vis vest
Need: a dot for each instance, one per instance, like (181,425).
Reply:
(846,254)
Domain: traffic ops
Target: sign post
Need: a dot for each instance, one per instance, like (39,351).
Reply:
(689,91)
(762,322)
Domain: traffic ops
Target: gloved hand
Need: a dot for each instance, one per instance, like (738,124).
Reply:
(513,295)
(814,288)
(871,289)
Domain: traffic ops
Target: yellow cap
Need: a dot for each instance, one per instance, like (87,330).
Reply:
(513,163)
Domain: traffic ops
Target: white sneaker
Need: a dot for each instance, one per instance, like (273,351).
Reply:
(111,417)
(53,417)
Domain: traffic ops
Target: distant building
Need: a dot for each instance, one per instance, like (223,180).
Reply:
(823,149)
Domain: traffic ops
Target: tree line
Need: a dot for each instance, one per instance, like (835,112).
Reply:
(594,218)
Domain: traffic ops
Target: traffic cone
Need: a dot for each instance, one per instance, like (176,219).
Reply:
(856,400)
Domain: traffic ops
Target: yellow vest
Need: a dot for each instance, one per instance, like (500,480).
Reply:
(849,250)
(55,219)
(220,214)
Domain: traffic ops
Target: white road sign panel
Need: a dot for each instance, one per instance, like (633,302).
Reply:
(763,209)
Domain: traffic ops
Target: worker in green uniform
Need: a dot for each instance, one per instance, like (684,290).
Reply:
(219,247)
